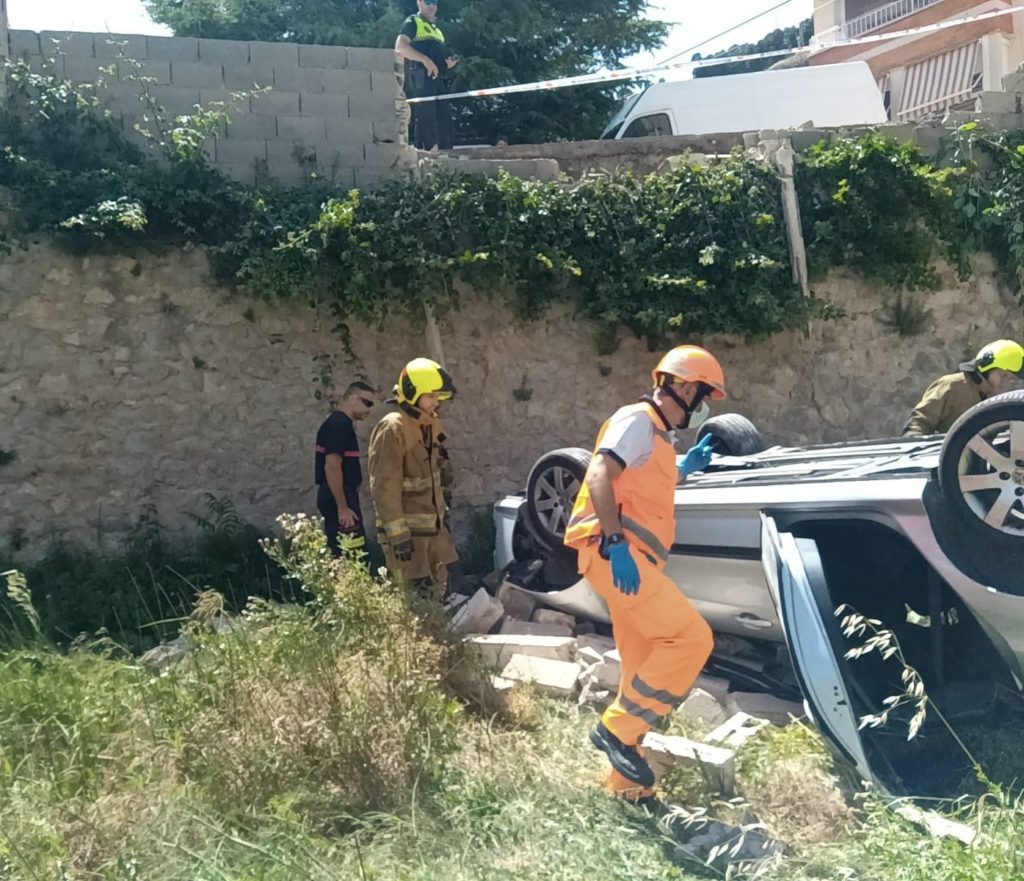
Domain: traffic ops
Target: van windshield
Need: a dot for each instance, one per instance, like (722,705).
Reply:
(612,129)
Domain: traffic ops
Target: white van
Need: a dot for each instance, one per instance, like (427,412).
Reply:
(827,96)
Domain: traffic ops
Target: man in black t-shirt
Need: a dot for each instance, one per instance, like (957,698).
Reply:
(427,61)
(338,471)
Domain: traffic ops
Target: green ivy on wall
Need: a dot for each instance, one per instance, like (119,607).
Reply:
(694,250)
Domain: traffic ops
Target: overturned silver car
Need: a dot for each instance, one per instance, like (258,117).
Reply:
(923,534)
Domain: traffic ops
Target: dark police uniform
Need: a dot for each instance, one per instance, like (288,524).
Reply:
(431,122)
(337,436)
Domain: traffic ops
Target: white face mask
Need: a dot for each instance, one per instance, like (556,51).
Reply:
(700,415)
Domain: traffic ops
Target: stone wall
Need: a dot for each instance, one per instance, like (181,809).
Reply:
(330,109)
(126,384)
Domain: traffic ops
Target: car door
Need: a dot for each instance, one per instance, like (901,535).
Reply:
(798,587)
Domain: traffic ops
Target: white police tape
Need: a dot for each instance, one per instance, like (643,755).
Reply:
(608,76)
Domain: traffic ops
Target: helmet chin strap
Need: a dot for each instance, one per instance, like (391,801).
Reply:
(688,409)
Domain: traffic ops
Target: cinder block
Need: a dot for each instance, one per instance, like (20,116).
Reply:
(386,84)
(386,156)
(248,76)
(121,46)
(174,99)
(245,173)
(601,644)
(280,153)
(496,650)
(517,602)
(252,127)
(998,102)
(371,59)
(610,671)
(1014,81)
(713,685)
(277,103)
(349,131)
(661,751)
(556,678)
(736,731)
(289,173)
(274,54)
(339,175)
(298,79)
(385,131)
(324,105)
(232,102)
(514,627)
(24,43)
(703,708)
(550,616)
(89,70)
(237,152)
(323,56)
(223,52)
(370,105)
(369,178)
(199,76)
(173,48)
(301,128)
(479,615)
(53,42)
(346,82)
(154,72)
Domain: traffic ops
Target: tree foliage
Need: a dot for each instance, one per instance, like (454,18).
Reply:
(501,42)
(781,38)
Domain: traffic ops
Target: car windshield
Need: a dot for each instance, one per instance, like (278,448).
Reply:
(613,127)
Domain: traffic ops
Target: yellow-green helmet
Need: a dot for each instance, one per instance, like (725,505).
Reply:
(1000,355)
(421,376)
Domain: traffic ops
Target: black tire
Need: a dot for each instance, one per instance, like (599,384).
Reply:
(733,435)
(551,490)
(981,472)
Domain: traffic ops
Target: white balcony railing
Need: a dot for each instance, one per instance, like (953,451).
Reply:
(881,16)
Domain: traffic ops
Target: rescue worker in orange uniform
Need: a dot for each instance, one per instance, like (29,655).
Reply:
(623,526)
(406,481)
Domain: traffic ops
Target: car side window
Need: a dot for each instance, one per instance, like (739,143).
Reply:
(649,126)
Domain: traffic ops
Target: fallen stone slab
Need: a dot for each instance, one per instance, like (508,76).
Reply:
(764,706)
(550,616)
(496,649)
(584,627)
(555,678)
(703,709)
(512,627)
(517,602)
(937,825)
(736,731)
(664,750)
(588,658)
(478,614)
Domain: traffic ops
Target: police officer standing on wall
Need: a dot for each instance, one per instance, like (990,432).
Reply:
(427,61)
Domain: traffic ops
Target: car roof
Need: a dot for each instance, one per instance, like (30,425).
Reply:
(861,460)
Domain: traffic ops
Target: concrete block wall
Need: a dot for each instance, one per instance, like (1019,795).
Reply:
(294,109)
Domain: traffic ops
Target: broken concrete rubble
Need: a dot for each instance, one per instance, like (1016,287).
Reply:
(496,650)
(166,654)
(736,731)
(518,603)
(511,626)
(715,686)
(702,709)
(602,644)
(663,750)
(555,678)
(550,616)
(478,614)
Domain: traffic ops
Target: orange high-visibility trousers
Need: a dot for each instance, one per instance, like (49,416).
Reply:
(663,644)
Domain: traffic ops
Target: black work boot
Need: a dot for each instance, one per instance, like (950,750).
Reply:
(624,759)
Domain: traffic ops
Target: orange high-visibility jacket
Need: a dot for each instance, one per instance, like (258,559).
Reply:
(645,495)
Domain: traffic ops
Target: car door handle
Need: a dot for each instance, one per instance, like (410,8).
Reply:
(753,622)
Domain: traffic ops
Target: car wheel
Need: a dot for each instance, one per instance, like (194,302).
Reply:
(981,469)
(551,491)
(733,435)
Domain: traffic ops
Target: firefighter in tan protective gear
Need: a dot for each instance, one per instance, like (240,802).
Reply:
(406,481)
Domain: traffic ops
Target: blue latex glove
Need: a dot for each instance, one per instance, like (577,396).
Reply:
(625,575)
(697,458)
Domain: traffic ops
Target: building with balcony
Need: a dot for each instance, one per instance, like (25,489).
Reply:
(922,76)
